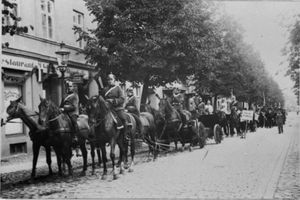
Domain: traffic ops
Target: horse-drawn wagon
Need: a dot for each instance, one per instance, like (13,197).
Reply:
(211,125)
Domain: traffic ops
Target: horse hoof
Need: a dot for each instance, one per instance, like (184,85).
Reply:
(130,170)
(115,177)
(103,177)
(122,172)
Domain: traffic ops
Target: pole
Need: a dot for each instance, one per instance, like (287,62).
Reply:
(62,85)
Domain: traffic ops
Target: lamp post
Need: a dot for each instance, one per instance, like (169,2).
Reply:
(62,60)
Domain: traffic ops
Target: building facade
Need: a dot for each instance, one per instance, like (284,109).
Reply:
(29,65)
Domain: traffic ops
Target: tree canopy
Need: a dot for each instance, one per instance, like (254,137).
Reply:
(293,52)
(155,42)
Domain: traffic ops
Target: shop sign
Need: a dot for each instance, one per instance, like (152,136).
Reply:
(25,64)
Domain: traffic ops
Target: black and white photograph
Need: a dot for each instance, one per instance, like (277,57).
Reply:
(150,99)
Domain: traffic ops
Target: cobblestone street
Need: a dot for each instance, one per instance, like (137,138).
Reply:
(264,165)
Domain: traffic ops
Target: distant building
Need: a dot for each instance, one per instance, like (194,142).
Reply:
(50,22)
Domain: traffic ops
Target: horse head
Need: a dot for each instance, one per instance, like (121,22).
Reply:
(13,110)
(165,107)
(47,111)
(92,108)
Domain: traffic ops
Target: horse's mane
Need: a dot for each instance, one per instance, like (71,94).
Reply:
(169,107)
(53,108)
(103,106)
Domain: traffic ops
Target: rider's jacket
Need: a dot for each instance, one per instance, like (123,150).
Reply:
(115,93)
(71,104)
(132,102)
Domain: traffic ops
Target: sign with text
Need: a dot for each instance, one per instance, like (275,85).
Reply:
(247,115)
(20,63)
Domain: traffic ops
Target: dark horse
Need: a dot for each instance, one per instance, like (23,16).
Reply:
(59,125)
(38,134)
(102,119)
(173,123)
(148,129)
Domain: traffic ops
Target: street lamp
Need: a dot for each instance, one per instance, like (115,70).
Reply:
(62,60)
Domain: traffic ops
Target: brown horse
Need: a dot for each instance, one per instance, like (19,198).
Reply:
(173,123)
(38,134)
(59,125)
(101,117)
(148,129)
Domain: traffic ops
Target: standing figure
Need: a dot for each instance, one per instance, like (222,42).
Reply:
(209,108)
(201,107)
(70,106)
(279,119)
(234,116)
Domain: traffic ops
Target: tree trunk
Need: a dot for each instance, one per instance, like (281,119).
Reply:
(145,90)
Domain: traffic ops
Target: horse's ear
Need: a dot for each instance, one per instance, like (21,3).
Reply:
(19,99)
(87,98)
(149,102)
(41,98)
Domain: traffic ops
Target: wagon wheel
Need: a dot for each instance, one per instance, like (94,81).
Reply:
(217,133)
(202,135)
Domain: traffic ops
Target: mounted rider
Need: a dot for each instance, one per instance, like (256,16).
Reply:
(177,102)
(132,102)
(114,95)
(132,107)
(70,106)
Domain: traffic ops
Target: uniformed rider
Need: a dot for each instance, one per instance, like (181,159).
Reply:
(177,102)
(132,106)
(132,102)
(114,95)
(70,106)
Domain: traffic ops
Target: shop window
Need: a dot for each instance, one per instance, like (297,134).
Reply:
(47,8)
(18,148)
(78,21)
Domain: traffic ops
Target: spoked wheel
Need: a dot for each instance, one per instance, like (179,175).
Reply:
(202,135)
(217,133)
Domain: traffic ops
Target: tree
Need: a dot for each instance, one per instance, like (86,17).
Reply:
(10,21)
(292,50)
(153,42)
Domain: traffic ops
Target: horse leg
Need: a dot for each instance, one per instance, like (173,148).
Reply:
(67,154)
(112,157)
(99,156)
(59,160)
(36,150)
(132,153)
(123,147)
(104,159)
(84,157)
(48,158)
(93,157)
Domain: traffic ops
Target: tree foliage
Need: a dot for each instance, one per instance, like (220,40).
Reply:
(155,42)
(293,52)
(10,20)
